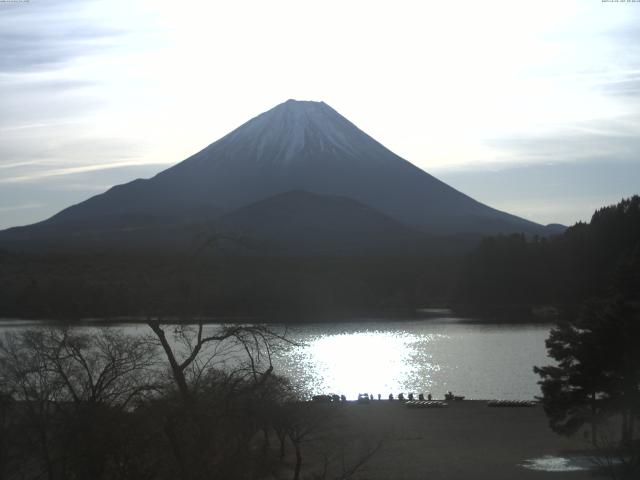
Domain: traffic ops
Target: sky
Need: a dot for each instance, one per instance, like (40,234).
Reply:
(532,107)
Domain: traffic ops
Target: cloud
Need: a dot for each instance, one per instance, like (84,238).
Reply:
(577,143)
(26,85)
(626,85)
(58,172)
(23,206)
(56,61)
(46,35)
(18,164)
(550,192)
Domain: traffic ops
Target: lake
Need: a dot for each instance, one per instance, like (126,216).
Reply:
(479,361)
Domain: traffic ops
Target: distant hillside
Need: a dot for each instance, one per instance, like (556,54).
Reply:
(507,273)
(302,222)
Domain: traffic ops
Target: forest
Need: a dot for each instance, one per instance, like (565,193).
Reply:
(213,284)
(503,277)
(592,259)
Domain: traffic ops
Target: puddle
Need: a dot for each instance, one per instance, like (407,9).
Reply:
(549,463)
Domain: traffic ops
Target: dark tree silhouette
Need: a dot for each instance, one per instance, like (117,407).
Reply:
(588,260)
(70,393)
(189,356)
(598,370)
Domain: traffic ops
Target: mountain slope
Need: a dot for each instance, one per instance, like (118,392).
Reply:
(294,146)
(303,222)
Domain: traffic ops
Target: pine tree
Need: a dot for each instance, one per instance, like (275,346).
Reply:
(598,369)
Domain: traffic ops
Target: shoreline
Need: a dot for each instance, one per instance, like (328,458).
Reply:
(124,321)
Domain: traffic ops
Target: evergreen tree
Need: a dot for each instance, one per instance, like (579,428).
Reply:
(598,369)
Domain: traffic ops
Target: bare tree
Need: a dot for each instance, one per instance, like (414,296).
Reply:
(68,386)
(110,368)
(196,348)
(348,469)
(8,453)
(223,378)
(303,422)
(316,431)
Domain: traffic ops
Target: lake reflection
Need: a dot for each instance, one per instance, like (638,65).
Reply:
(419,356)
(437,355)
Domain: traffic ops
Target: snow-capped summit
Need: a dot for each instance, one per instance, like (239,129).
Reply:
(297,145)
(289,132)
(293,126)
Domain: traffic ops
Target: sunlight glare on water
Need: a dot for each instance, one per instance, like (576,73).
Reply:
(478,361)
(369,362)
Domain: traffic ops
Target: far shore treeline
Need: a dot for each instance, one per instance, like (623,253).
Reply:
(502,278)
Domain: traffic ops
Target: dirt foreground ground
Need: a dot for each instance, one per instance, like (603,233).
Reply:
(466,440)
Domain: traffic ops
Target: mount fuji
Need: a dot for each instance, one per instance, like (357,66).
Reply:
(297,146)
